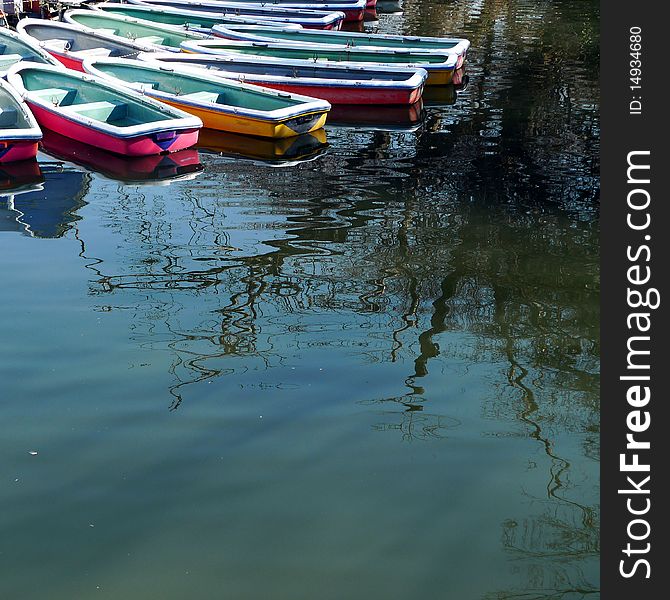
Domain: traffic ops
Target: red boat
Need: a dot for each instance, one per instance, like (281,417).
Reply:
(71,44)
(338,84)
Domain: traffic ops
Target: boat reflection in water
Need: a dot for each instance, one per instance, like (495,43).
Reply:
(386,7)
(280,152)
(440,95)
(405,118)
(45,207)
(460,79)
(155,169)
(16,177)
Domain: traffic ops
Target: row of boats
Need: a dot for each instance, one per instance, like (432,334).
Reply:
(139,79)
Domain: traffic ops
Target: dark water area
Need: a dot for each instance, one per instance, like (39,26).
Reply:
(360,364)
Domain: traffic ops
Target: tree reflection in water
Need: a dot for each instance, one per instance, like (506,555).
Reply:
(473,240)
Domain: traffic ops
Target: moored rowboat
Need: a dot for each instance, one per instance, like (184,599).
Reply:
(338,84)
(94,112)
(160,37)
(222,104)
(313,19)
(353,9)
(71,44)
(19,132)
(15,48)
(185,19)
(349,39)
(440,67)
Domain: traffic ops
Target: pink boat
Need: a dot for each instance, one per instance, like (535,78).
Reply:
(96,113)
(19,131)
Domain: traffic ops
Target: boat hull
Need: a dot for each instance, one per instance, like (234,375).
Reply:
(140,145)
(274,129)
(338,95)
(16,150)
(68,61)
(440,77)
(354,15)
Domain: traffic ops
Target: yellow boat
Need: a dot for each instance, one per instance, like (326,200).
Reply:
(221,104)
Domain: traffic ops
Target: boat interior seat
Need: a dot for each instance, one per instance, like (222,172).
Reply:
(59,44)
(3,47)
(8,116)
(101,111)
(148,85)
(107,30)
(9,59)
(95,52)
(150,39)
(202,96)
(58,96)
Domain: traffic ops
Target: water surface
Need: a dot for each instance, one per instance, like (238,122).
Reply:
(372,373)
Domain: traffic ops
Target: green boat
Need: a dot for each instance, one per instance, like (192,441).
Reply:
(163,37)
(263,33)
(15,48)
(188,19)
(440,67)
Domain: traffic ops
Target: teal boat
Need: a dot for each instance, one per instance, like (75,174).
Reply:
(263,33)
(190,19)
(160,36)
(15,48)
(440,67)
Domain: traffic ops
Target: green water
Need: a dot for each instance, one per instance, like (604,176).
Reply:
(371,375)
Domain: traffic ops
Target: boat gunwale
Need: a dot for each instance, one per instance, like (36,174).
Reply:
(460,47)
(180,121)
(33,131)
(31,43)
(306,105)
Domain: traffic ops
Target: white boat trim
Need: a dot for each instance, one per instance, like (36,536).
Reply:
(31,43)
(33,131)
(237,32)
